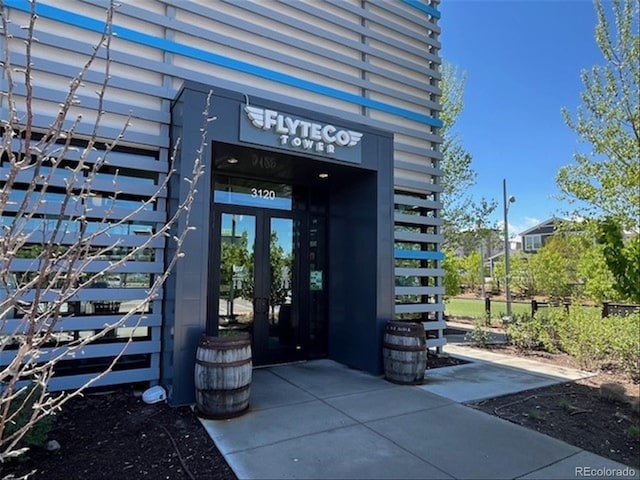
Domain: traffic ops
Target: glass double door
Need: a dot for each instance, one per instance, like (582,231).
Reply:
(257,280)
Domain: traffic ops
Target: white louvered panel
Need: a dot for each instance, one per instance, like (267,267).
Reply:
(419,290)
(419,307)
(427,180)
(418,272)
(417,220)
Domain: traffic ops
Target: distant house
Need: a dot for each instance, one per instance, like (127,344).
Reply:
(515,246)
(534,238)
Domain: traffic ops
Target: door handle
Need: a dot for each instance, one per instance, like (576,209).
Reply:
(260,305)
(265,305)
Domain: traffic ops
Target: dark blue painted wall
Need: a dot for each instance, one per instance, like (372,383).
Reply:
(360,241)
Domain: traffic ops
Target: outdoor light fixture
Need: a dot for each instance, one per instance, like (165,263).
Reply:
(507,248)
(232,160)
(323,175)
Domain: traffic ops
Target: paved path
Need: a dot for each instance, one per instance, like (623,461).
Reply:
(459,332)
(322,420)
(493,374)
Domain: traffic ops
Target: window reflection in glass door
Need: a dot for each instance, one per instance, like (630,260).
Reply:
(236,291)
(283,322)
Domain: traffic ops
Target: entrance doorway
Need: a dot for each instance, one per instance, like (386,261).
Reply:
(258,286)
(342,209)
(269,268)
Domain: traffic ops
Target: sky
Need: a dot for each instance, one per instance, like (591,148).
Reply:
(523,61)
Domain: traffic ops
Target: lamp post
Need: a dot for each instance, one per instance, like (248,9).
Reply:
(507,248)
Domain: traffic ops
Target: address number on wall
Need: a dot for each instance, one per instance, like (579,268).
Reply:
(263,193)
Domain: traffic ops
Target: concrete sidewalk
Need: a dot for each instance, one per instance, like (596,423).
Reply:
(322,420)
(492,374)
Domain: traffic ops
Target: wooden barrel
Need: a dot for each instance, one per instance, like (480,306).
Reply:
(404,353)
(223,375)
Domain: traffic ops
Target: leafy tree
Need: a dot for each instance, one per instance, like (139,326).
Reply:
(551,271)
(593,272)
(555,266)
(604,182)
(452,266)
(234,254)
(460,212)
(622,258)
(522,281)
(281,267)
(471,265)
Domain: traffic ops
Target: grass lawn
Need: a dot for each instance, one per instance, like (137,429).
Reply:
(467,307)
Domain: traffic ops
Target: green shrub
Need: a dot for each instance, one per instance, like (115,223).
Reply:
(595,342)
(523,332)
(552,322)
(541,332)
(625,338)
(480,335)
(588,338)
(22,407)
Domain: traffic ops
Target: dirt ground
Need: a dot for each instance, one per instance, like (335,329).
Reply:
(579,414)
(600,414)
(116,435)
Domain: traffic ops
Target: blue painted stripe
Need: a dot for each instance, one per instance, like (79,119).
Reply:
(76,20)
(418,255)
(429,10)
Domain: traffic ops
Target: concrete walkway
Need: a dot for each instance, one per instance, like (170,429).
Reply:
(458,332)
(493,374)
(322,420)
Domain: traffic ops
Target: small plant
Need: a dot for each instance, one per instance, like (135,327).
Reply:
(487,319)
(634,432)
(480,335)
(19,416)
(566,404)
(534,414)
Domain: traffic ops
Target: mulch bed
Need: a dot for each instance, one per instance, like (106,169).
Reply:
(577,413)
(116,435)
(440,361)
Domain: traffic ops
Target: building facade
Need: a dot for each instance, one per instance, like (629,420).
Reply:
(534,238)
(317,219)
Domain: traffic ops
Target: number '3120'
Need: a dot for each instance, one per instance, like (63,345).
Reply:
(263,193)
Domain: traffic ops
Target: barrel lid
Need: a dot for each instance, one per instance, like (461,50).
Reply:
(238,338)
(406,328)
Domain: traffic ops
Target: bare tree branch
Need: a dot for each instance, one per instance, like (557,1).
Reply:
(66,238)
